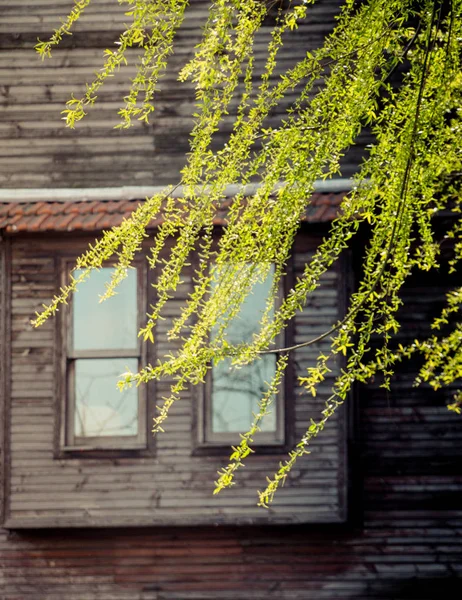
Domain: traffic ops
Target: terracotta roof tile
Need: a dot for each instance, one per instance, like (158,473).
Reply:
(88,207)
(97,215)
(73,207)
(31,208)
(28,223)
(129,205)
(15,209)
(44,208)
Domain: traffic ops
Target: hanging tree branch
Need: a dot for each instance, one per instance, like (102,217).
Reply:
(398,188)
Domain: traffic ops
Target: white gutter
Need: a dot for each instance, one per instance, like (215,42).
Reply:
(141,192)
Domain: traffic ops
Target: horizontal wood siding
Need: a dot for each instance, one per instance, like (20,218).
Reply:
(173,486)
(403,542)
(395,556)
(37,150)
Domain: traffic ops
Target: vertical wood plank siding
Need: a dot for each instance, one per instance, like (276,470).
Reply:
(37,151)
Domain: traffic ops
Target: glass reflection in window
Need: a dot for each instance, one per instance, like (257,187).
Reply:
(100,409)
(236,392)
(104,344)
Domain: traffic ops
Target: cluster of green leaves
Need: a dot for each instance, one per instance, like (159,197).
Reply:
(152,30)
(44,48)
(399,189)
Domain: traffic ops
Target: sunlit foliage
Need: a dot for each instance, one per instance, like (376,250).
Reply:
(410,175)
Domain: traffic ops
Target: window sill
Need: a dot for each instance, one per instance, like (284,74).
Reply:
(89,519)
(104,452)
(225,448)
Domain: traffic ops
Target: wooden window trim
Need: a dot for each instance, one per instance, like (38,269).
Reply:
(5,377)
(207,443)
(69,445)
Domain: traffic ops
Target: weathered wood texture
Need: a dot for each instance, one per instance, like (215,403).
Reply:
(404,541)
(4,365)
(37,150)
(417,558)
(174,486)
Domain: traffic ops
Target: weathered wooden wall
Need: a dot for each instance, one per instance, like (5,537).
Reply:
(173,485)
(36,149)
(403,540)
(413,557)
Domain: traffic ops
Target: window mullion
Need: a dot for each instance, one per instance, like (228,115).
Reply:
(113,353)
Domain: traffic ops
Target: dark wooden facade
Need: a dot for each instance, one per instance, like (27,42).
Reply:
(37,151)
(401,538)
(147,527)
(168,483)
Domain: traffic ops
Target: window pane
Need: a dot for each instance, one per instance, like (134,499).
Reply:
(236,392)
(100,408)
(113,323)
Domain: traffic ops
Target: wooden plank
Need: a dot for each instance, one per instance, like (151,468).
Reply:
(33,95)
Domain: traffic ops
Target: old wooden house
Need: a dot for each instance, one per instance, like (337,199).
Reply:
(92,506)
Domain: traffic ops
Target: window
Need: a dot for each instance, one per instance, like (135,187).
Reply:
(102,342)
(231,395)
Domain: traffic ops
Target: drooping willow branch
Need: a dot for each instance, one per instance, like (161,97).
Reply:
(399,188)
